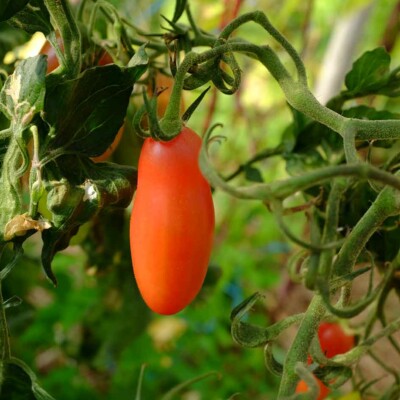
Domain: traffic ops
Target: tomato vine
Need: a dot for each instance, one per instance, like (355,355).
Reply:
(72,114)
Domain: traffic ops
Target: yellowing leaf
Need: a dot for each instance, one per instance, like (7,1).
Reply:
(20,224)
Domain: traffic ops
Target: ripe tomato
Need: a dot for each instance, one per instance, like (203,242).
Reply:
(302,387)
(172,223)
(333,339)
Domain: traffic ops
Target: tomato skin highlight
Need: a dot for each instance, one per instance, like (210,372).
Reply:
(172,223)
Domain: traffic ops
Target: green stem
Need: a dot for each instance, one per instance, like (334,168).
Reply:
(36,174)
(299,348)
(330,227)
(258,157)
(260,18)
(287,187)
(385,205)
(66,24)
(4,333)
(297,94)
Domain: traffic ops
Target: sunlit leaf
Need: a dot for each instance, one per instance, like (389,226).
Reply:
(369,72)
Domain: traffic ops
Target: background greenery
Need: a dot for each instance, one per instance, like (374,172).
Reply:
(89,337)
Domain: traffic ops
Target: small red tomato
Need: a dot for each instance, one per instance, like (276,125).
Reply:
(333,339)
(172,223)
(302,387)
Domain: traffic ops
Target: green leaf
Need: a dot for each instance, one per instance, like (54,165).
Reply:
(180,6)
(22,95)
(86,113)
(309,160)
(34,17)
(140,59)
(19,382)
(72,203)
(253,174)
(365,112)
(369,73)
(10,7)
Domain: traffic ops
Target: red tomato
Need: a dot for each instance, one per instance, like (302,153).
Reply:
(302,387)
(172,223)
(333,339)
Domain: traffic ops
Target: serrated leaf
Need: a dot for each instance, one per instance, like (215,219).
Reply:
(253,174)
(369,73)
(34,17)
(86,113)
(10,7)
(22,95)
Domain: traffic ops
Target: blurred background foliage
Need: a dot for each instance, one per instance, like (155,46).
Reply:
(89,337)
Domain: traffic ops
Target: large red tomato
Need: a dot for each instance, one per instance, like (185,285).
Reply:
(172,223)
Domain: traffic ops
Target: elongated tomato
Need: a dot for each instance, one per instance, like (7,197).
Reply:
(172,223)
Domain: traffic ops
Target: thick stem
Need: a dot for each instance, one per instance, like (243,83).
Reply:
(66,24)
(299,349)
(330,227)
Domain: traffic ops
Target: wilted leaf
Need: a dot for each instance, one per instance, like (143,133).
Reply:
(20,224)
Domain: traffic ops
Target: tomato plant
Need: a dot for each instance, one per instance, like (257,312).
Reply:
(322,173)
(172,223)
